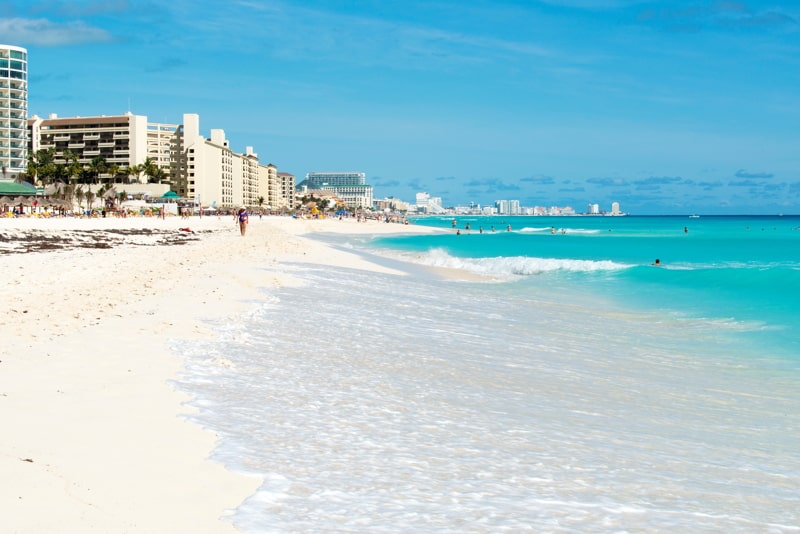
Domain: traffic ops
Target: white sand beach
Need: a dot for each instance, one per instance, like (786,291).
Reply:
(93,434)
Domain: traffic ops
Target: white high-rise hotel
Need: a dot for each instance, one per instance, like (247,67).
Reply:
(13,111)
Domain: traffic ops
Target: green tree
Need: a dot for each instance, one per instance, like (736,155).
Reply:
(100,193)
(73,166)
(150,169)
(96,166)
(75,191)
(135,170)
(41,165)
(89,198)
(157,175)
(113,170)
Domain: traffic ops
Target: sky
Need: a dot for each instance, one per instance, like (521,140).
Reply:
(667,107)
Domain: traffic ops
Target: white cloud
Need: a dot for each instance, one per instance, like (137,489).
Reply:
(43,32)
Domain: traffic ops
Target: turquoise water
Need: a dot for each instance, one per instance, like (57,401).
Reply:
(741,270)
(572,387)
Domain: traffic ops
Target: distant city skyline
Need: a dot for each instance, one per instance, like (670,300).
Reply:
(510,206)
(665,107)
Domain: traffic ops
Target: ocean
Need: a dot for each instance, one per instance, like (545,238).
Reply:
(566,385)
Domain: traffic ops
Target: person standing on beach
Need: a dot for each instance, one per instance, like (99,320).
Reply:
(244,218)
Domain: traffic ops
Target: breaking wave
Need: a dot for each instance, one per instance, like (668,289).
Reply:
(511,266)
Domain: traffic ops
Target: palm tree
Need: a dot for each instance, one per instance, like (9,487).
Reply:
(75,191)
(41,164)
(96,166)
(113,170)
(135,170)
(150,168)
(33,167)
(101,191)
(157,175)
(73,167)
(89,199)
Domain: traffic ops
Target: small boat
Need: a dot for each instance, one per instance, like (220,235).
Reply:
(694,216)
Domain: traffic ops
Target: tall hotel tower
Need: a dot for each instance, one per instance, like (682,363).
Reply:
(13,111)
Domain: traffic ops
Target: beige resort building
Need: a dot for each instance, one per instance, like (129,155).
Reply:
(204,170)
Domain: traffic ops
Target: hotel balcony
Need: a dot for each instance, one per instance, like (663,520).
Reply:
(91,136)
(91,152)
(60,138)
(77,145)
(121,135)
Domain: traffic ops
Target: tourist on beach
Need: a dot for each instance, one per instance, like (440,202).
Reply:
(243,220)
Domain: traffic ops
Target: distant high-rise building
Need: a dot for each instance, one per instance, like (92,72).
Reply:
(318,179)
(594,209)
(615,208)
(350,187)
(429,204)
(13,111)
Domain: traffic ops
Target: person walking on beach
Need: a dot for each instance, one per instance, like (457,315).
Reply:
(244,218)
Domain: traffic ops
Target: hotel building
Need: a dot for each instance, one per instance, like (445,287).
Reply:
(285,193)
(350,187)
(203,170)
(120,139)
(13,111)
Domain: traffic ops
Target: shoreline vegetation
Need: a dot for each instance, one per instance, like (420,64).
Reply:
(94,434)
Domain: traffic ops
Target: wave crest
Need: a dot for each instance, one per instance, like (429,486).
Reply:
(506,266)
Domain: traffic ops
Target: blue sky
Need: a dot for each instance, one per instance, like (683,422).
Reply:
(666,107)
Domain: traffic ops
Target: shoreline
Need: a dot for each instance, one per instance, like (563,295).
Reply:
(95,433)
